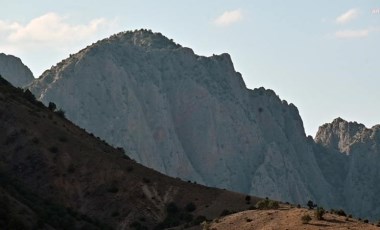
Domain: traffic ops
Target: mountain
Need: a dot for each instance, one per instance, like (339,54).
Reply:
(54,175)
(187,116)
(13,70)
(192,117)
(348,155)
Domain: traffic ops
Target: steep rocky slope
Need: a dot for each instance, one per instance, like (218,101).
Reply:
(56,176)
(187,115)
(348,155)
(14,71)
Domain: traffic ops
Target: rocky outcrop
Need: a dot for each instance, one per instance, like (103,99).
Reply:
(350,163)
(14,71)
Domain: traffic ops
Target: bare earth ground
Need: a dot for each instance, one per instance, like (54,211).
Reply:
(285,218)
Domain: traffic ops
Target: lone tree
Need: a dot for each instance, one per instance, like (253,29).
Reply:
(311,204)
(52,106)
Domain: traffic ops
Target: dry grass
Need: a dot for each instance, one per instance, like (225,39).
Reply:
(286,218)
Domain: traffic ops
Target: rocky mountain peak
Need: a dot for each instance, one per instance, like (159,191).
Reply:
(144,38)
(339,134)
(13,70)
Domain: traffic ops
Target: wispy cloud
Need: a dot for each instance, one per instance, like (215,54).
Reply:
(347,34)
(50,27)
(52,34)
(229,17)
(347,16)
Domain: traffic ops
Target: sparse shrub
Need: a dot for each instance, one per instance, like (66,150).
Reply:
(311,204)
(298,206)
(273,204)
(198,220)
(115,214)
(350,216)
(62,139)
(366,221)
(267,204)
(52,106)
(248,219)
(35,140)
(53,149)
(319,212)
(146,180)
(29,96)
(71,168)
(340,212)
(16,224)
(190,207)
(305,219)
(225,212)
(172,208)
(60,113)
(248,199)
(120,149)
(129,169)
(113,189)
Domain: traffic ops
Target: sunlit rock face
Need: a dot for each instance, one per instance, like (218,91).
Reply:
(14,71)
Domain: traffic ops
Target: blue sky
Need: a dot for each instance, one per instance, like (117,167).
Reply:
(323,56)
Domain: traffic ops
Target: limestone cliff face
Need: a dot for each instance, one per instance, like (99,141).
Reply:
(187,115)
(353,153)
(14,71)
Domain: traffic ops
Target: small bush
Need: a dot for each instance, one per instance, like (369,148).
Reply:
(53,149)
(340,212)
(311,204)
(198,220)
(113,189)
(115,214)
(172,208)
(319,212)
(63,139)
(305,219)
(190,207)
(366,221)
(52,106)
(225,212)
(267,204)
(60,113)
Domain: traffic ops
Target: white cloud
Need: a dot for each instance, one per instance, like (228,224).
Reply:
(51,28)
(347,16)
(51,37)
(229,17)
(346,34)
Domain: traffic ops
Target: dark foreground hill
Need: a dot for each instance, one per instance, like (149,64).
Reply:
(54,175)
